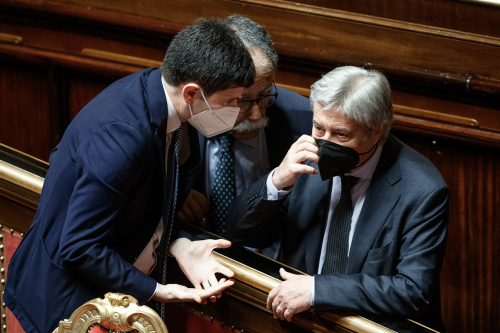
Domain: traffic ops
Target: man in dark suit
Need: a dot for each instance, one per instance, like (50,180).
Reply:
(385,256)
(109,195)
(270,120)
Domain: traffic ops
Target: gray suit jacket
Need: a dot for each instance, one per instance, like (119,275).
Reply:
(397,248)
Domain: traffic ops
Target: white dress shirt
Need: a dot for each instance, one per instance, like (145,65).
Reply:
(146,261)
(251,161)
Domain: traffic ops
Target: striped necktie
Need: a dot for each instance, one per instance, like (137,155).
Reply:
(169,203)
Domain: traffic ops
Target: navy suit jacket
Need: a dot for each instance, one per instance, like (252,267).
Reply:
(289,118)
(100,204)
(397,248)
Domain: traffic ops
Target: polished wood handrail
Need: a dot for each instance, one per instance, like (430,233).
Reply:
(13,39)
(123,58)
(245,275)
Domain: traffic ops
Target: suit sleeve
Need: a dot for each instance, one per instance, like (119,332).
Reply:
(107,165)
(409,288)
(253,220)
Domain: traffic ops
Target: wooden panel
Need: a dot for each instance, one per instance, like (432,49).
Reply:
(469,286)
(25,107)
(82,89)
(463,16)
(440,56)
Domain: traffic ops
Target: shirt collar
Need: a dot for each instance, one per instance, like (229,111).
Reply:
(252,143)
(173,120)
(367,170)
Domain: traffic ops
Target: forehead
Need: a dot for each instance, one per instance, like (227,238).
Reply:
(332,119)
(227,94)
(261,85)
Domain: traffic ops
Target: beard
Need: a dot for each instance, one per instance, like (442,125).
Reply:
(248,125)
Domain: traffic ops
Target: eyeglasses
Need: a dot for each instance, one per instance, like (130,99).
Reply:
(263,101)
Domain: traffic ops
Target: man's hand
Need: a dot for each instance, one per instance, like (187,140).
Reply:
(292,296)
(302,150)
(177,293)
(198,263)
(194,209)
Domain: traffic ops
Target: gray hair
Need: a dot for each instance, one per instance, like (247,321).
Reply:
(254,35)
(362,95)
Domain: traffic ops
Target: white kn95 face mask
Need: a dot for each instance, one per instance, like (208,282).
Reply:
(214,121)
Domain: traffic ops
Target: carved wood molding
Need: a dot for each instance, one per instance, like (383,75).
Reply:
(375,21)
(409,51)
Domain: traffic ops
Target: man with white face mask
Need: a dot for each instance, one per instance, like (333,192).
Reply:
(105,218)
(269,120)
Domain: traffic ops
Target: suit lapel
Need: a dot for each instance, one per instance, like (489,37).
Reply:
(381,198)
(318,194)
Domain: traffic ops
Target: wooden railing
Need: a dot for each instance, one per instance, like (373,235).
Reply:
(21,181)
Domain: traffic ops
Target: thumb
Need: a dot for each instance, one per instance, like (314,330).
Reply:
(285,275)
(221,244)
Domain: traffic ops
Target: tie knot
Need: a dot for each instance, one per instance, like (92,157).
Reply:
(177,133)
(348,182)
(226,142)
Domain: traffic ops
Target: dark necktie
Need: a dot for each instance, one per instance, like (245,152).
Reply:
(340,226)
(223,189)
(169,203)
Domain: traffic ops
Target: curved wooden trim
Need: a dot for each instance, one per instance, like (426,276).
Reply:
(13,39)
(375,21)
(123,58)
(444,77)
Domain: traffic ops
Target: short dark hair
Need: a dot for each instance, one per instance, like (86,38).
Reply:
(210,54)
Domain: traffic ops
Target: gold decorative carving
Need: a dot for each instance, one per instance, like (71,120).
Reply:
(117,312)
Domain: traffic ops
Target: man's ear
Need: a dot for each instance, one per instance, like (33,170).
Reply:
(191,92)
(379,133)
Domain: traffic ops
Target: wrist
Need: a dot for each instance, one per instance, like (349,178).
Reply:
(178,246)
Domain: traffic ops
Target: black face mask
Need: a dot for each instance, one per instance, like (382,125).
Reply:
(335,159)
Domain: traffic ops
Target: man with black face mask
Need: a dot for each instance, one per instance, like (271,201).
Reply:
(362,213)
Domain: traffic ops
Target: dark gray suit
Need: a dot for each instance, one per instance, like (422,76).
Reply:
(397,248)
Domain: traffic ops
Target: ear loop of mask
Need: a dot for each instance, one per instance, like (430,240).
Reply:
(191,111)
(202,95)
(372,148)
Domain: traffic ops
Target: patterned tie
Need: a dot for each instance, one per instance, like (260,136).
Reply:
(169,203)
(223,190)
(340,226)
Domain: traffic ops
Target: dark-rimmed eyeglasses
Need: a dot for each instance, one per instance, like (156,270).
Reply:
(263,101)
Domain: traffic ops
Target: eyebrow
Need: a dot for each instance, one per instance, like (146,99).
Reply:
(333,129)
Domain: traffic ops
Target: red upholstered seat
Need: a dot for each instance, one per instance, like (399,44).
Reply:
(96,328)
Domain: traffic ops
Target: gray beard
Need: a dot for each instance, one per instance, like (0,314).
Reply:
(248,125)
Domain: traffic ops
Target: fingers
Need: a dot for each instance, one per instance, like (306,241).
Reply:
(272,295)
(211,293)
(194,208)
(221,244)
(304,149)
(215,290)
